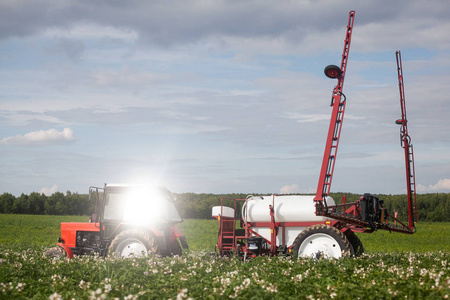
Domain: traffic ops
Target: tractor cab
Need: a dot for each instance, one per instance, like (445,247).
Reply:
(136,206)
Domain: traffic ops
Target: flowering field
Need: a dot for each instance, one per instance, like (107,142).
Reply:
(27,274)
(396,266)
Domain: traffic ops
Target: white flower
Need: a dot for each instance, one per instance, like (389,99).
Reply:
(55,296)
(182,294)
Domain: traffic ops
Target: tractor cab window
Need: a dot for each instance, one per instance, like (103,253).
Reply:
(172,214)
(143,206)
(114,205)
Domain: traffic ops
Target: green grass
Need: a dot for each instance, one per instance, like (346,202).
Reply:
(202,234)
(429,237)
(33,230)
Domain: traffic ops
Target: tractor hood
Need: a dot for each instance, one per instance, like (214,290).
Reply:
(69,231)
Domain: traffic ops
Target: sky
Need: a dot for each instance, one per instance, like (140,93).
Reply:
(212,96)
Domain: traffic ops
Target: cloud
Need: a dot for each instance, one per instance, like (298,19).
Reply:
(290,189)
(312,118)
(441,185)
(42,137)
(286,24)
(49,191)
(127,78)
(73,49)
(295,189)
(307,118)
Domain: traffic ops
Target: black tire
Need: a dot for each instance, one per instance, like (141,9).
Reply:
(355,243)
(320,241)
(133,243)
(174,248)
(332,71)
(56,252)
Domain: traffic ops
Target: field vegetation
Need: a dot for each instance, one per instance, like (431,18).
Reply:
(395,266)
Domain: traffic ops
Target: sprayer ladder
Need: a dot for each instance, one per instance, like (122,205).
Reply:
(227,235)
(407,146)
(337,116)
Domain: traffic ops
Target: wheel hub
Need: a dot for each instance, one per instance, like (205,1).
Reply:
(320,245)
(132,248)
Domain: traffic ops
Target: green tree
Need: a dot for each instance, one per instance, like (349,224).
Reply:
(6,203)
(21,205)
(36,202)
(77,204)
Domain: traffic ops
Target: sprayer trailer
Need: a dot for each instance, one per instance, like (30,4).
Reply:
(129,221)
(315,226)
(281,224)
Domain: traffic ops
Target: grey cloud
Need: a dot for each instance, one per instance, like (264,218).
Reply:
(174,22)
(73,49)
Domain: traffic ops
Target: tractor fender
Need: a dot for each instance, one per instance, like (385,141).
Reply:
(160,238)
(178,234)
(69,251)
(157,232)
(176,231)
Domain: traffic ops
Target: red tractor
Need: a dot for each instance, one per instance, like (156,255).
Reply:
(129,221)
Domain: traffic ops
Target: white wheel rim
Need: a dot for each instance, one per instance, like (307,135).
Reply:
(131,248)
(320,245)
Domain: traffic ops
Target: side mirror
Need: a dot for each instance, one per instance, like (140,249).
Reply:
(93,218)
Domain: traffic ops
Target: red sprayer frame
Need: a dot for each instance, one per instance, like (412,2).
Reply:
(357,216)
(337,116)
(251,238)
(407,146)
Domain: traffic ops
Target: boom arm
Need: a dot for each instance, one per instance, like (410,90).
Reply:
(334,131)
(407,146)
(368,213)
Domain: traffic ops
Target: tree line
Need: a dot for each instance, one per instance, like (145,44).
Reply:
(430,207)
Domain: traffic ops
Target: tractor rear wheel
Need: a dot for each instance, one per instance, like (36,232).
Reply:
(133,243)
(174,248)
(56,252)
(321,241)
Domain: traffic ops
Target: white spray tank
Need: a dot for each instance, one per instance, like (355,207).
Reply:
(287,208)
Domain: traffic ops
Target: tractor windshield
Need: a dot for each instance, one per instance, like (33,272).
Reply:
(140,205)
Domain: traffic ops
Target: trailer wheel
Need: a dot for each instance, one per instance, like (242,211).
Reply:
(55,252)
(355,243)
(332,71)
(133,243)
(321,241)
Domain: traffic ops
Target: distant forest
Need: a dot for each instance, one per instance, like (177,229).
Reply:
(430,207)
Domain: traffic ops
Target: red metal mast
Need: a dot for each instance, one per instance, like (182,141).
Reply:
(337,116)
(407,146)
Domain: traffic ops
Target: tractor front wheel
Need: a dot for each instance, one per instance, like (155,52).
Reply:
(133,243)
(321,241)
(56,252)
